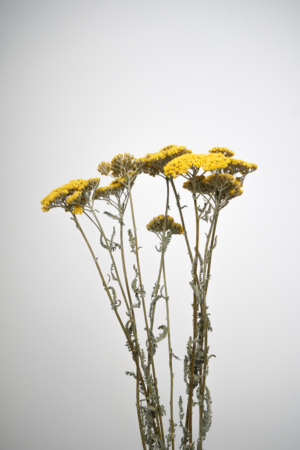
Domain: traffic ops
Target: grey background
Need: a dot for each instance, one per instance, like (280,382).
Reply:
(82,82)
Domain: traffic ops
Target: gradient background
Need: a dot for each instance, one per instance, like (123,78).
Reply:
(81,82)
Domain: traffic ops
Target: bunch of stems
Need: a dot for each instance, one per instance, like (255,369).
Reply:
(150,418)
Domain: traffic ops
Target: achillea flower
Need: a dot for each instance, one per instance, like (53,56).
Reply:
(104,168)
(71,196)
(116,187)
(189,165)
(154,163)
(156,225)
(176,228)
(119,166)
(239,166)
(225,151)
(222,186)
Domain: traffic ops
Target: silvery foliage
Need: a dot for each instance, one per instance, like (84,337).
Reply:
(132,242)
(164,244)
(138,290)
(186,432)
(112,216)
(149,412)
(111,244)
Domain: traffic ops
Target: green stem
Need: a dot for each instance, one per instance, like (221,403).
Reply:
(205,330)
(138,407)
(145,314)
(182,219)
(170,357)
(189,417)
(162,253)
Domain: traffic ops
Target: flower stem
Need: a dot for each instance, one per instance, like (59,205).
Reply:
(162,252)
(145,314)
(170,357)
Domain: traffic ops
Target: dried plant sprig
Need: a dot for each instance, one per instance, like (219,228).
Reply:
(213,179)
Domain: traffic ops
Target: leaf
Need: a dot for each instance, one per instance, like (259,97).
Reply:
(207,415)
(197,292)
(163,334)
(151,311)
(174,356)
(112,216)
(132,374)
(112,268)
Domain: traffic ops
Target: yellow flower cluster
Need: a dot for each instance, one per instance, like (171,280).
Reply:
(154,163)
(176,228)
(182,165)
(239,166)
(156,225)
(119,166)
(225,151)
(116,187)
(104,168)
(220,185)
(75,193)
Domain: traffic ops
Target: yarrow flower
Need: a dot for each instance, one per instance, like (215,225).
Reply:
(239,166)
(119,166)
(157,224)
(116,187)
(189,165)
(154,163)
(225,151)
(222,186)
(71,196)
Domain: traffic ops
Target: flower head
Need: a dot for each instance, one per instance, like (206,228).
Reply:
(71,196)
(222,186)
(239,166)
(157,224)
(154,163)
(176,228)
(119,166)
(189,165)
(116,187)
(225,151)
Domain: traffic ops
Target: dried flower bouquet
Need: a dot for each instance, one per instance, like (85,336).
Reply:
(213,180)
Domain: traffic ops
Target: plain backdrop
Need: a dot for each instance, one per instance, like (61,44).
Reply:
(82,81)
